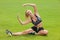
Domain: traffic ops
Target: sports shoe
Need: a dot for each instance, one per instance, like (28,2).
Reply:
(32,33)
(9,32)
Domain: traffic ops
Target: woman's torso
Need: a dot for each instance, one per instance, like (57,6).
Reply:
(38,22)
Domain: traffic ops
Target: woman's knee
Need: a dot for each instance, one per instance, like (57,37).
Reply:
(43,32)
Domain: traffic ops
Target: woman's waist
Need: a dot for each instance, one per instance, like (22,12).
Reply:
(39,25)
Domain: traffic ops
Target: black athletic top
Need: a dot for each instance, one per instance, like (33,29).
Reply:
(37,21)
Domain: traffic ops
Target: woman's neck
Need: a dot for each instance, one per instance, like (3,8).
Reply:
(33,16)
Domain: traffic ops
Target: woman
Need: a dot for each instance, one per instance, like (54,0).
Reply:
(32,18)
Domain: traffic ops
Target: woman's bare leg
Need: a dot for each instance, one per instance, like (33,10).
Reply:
(43,32)
(22,33)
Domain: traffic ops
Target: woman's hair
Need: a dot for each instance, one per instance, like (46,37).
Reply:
(26,13)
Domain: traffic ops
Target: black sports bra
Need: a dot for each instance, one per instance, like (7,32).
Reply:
(37,21)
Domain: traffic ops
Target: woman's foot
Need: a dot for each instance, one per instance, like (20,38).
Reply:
(32,33)
(9,32)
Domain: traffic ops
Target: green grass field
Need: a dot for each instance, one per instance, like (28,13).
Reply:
(48,9)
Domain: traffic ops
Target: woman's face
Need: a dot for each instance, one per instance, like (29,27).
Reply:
(28,12)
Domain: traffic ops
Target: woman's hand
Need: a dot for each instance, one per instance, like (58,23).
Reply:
(20,21)
(18,17)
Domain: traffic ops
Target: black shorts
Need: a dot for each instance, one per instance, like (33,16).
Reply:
(37,29)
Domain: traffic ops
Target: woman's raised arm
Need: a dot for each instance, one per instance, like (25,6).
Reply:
(34,6)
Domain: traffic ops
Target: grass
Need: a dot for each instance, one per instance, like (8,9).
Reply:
(48,9)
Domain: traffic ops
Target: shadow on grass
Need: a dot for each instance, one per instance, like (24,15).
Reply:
(29,36)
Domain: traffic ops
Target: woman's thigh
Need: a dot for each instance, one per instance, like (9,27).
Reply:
(28,31)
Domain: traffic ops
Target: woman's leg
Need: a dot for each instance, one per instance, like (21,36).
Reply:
(43,32)
(22,33)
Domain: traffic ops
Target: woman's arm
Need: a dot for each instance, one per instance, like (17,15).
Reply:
(34,6)
(25,22)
